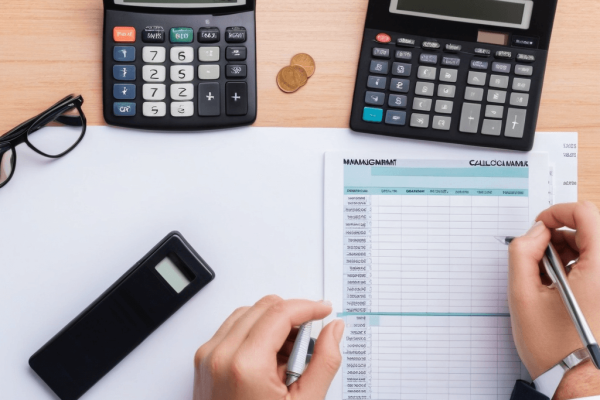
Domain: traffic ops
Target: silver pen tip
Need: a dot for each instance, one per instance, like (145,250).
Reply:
(290,379)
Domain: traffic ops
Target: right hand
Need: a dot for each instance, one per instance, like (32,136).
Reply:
(543,330)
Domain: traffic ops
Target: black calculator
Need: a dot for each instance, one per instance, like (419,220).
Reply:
(179,64)
(457,71)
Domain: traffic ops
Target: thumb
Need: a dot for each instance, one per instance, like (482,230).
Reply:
(524,256)
(325,362)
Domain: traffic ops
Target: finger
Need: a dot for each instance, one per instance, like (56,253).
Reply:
(286,349)
(524,256)
(325,362)
(209,346)
(564,243)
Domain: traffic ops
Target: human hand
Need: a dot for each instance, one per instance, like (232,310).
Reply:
(543,331)
(246,359)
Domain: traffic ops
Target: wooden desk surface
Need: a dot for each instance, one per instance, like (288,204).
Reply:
(52,48)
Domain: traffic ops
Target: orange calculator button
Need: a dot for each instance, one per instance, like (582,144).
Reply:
(124,34)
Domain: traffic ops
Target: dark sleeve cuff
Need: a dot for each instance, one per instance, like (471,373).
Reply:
(526,391)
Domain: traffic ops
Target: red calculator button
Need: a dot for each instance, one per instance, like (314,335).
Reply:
(124,34)
(383,38)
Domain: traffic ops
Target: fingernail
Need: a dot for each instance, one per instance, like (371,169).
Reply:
(338,330)
(326,302)
(536,229)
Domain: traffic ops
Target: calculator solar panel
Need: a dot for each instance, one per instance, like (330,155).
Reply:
(452,77)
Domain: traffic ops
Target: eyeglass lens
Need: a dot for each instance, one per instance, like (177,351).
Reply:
(67,127)
(7,163)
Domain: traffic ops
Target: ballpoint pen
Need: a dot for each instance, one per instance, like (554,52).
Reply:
(554,268)
(298,357)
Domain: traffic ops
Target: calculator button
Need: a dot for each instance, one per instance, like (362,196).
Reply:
(154,73)
(182,109)
(379,52)
(235,71)
(501,67)
(376,82)
(469,118)
(441,123)
(491,127)
(496,96)
(519,99)
(209,35)
(525,57)
(499,81)
(494,111)
(477,78)
(399,85)
(428,73)
(124,53)
(444,106)
(124,34)
(478,64)
(521,84)
(124,109)
(403,55)
(182,91)
(182,73)
(483,52)
(182,35)
(371,114)
(209,54)
(430,45)
(515,123)
(400,69)
(393,117)
(154,54)
(182,55)
(451,61)
(379,67)
(154,109)
(209,102)
(375,98)
(420,104)
(124,72)
(428,58)
(235,34)
(208,72)
(446,91)
(452,48)
(154,92)
(124,91)
(153,34)
(419,121)
(524,70)
(404,42)
(383,38)
(235,53)
(424,89)
(237,98)
(473,94)
(397,101)
(448,75)
(507,55)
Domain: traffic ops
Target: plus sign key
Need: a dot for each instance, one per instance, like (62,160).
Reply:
(236,98)
(209,100)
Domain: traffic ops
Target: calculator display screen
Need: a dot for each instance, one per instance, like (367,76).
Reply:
(181,3)
(507,13)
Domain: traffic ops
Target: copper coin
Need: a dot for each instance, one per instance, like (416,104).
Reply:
(289,79)
(305,61)
(303,74)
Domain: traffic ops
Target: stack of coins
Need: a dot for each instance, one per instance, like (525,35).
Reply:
(294,76)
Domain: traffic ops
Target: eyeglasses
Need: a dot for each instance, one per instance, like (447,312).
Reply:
(70,124)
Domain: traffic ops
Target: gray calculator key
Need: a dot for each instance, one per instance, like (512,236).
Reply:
(501,67)
(515,123)
(421,104)
(209,103)
(496,96)
(379,67)
(397,101)
(444,106)
(494,111)
(446,91)
(448,75)
(419,121)
(469,118)
(478,64)
(428,59)
(428,73)
(379,52)
(525,70)
(451,61)
(477,78)
(474,94)
(403,55)
(499,81)
(425,89)
(441,123)
(393,117)
(519,99)
(521,84)
(492,127)
(401,69)
(375,98)
(399,85)
(376,82)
